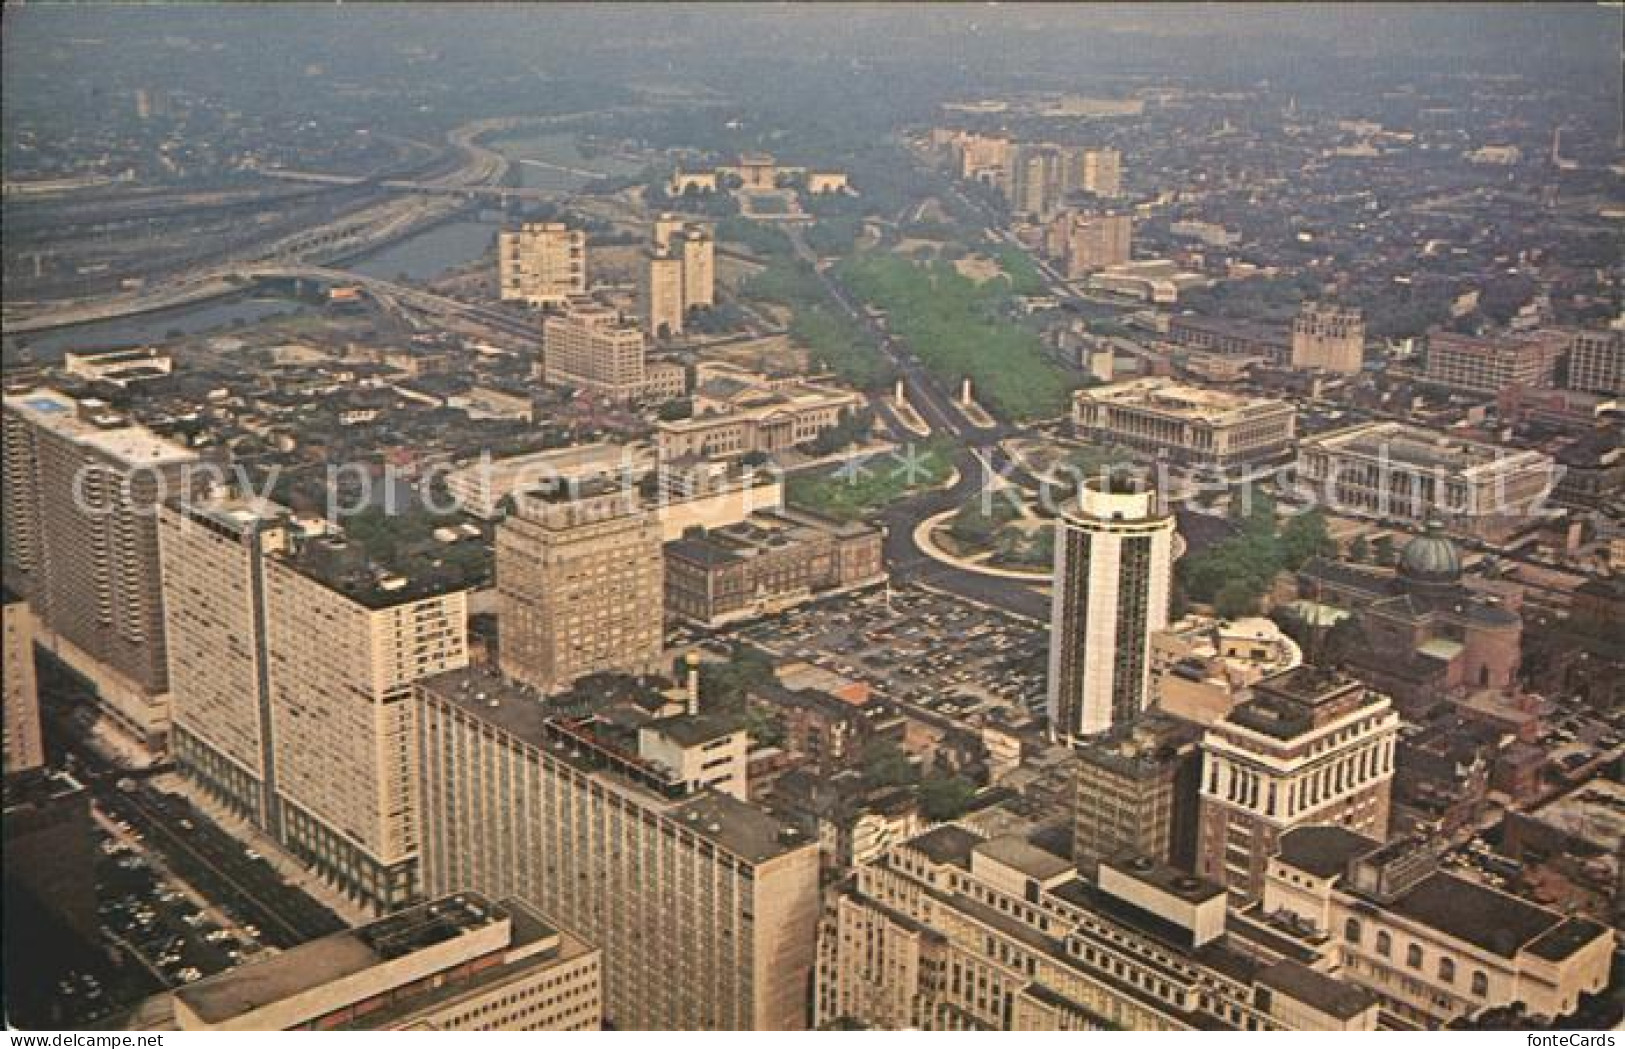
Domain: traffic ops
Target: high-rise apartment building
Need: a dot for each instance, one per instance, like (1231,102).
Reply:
(660,292)
(679,273)
(213,553)
(292,687)
(1038,177)
(457,963)
(24,748)
(1101,172)
(81,543)
(953,931)
(591,346)
(1035,183)
(1137,794)
(1328,337)
(1486,366)
(580,580)
(705,907)
(1309,746)
(1087,241)
(699,266)
(1113,569)
(1597,362)
(542,263)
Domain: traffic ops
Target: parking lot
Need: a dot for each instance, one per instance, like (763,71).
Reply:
(159,920)
(938,654)
(245,889)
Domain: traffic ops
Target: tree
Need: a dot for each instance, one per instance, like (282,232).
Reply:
(1235,599)
(723,685)
(884,765)
(1305,536)
(1359,550)
(945,797)
(677,408)
(973,526)
(1384,548)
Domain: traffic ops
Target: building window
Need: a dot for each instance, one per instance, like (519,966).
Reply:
(1385,944)
(1481,984)
(1351,930)
(1447,970)
(1413,956)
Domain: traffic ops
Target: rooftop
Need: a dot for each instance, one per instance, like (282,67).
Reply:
(1191,403)
(348,568)
(1491,920)
(555,726)
(96,425)
(1018,853)
(1403,445)
(947,844)
(238,992)
(1323,850)
(1330,996)
(759,534)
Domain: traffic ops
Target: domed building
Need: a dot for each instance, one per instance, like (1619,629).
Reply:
(1427,636)
(1430,559)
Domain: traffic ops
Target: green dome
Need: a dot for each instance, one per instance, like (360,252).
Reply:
(1431,558)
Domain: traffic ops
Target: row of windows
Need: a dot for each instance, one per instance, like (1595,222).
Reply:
(1445,968)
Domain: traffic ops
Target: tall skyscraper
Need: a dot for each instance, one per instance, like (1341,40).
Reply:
(699,266)
(580,581)
(292,673)
(1328,337)
(24,749)
(679,273)
(1101,172)
(1310,746)
(1113,569)
(660,292)
(542,263)
(1088,241)
(81,543)
(705,907)
(213,552)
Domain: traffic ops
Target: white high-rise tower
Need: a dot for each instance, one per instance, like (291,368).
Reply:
(1113,571)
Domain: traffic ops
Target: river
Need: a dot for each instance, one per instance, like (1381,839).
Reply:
(419,258)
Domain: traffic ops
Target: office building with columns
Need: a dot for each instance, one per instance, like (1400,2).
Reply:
(1187,424)
(1309,746)
(1113,571)
(1431,946)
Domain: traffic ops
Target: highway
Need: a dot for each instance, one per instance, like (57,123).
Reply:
(354,233)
